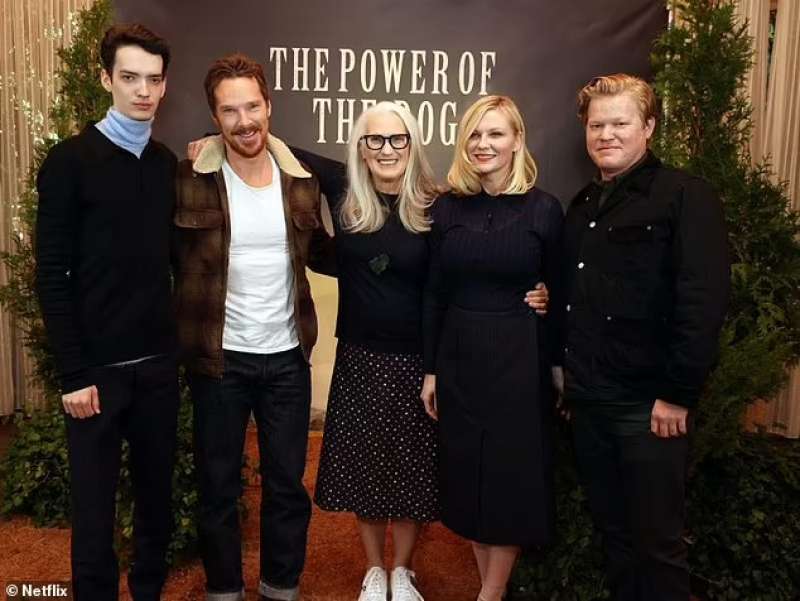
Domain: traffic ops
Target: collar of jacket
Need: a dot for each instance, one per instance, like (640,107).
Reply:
(212,156)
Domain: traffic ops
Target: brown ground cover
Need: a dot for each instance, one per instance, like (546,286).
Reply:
(334,566)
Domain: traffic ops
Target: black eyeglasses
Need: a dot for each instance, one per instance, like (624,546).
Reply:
(377,141)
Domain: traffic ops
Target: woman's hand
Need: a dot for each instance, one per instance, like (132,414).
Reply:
(538,298)
(195,146)
(428,396)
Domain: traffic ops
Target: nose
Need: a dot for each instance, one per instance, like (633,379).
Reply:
(606,132)
(386,148)
(143,89)
(483,141)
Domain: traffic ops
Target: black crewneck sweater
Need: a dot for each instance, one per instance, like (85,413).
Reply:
(381,274)
(102,253)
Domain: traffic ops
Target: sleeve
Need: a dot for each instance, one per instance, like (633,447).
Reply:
(435,295)
(701,266)
(321,251)
(56,232)
(331,174)
(553,276)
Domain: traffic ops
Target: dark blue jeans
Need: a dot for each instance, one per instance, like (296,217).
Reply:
(138,403)
(276,390)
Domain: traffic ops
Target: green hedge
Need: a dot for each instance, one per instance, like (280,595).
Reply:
(34,479)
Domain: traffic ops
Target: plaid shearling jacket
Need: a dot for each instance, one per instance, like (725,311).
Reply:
(201,242)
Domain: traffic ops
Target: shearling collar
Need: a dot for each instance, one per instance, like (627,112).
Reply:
(213,154)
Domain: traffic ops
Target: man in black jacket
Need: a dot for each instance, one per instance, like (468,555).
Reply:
(106,198)
(647,288)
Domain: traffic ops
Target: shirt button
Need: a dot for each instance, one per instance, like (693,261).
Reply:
(649,227)
(569,308)
(580,265)
(566,350)
(592,224)
(608,318)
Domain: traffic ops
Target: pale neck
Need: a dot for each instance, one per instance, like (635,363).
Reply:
(495,183)
(385,187)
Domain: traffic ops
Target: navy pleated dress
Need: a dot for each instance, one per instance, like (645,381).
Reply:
(491,355)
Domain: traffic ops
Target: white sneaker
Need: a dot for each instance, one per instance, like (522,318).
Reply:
(404,585)
(374,586)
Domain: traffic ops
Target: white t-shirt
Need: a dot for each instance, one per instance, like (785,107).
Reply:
(259,306)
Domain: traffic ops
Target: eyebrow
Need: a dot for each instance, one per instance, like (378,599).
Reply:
(136,74)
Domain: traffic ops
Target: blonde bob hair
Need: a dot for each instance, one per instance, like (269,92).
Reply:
(463,177)
(361,210)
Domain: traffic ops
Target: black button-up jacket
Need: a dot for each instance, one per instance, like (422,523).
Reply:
(647,286)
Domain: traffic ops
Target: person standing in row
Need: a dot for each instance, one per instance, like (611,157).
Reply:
(247,224)
(487,356)
(106,198)
(648,280)
(378,457)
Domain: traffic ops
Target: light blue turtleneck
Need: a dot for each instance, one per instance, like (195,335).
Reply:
(127,133)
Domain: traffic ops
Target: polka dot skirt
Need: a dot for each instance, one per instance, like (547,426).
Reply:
(379,448)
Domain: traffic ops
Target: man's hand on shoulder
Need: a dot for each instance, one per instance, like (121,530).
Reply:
(82,403)
(195,146)
(668,420)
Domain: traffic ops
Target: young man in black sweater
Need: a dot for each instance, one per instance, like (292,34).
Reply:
(106,199)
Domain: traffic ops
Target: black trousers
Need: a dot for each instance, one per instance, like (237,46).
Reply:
(138,403)
(276,390)
(636,489)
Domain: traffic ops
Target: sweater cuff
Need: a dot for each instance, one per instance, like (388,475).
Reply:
(679,395)
(75,380)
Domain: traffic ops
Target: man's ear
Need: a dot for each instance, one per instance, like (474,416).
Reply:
(269,109)
(105,80)
(163,86)
(650,127)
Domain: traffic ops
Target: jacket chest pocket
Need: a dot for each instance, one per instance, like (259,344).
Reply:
(635,249)
(199,240)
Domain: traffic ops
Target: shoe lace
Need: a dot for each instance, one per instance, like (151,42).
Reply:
(403,583)
(373,583)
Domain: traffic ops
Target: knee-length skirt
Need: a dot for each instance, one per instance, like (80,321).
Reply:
(379,457)
(495,419)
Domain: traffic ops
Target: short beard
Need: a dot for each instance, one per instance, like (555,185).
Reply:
(241,150)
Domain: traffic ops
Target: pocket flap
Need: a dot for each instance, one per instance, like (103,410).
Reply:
(631,233)
(198,219)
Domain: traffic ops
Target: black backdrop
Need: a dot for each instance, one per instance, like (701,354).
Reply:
(540,52)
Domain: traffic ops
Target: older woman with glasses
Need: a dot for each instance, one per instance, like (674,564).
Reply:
(378,456)
(487,357)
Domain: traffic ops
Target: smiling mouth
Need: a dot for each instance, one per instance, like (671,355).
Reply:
(387,161)
(246,135)
(483,157)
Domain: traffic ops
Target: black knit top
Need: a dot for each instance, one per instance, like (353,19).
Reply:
(476,269)
(381,274)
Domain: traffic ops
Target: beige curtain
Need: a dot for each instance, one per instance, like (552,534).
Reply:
(31,32)
(756,13)
(782,144)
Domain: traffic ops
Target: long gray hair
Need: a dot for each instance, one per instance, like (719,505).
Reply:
(361,210)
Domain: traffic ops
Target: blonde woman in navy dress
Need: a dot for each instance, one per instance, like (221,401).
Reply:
(487,358)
